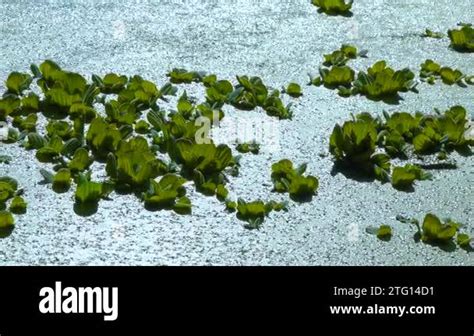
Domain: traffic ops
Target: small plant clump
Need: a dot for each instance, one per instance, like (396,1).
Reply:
(432,71)
(333,7)
(248,147)
(336,74)
(11,202)
(462,39)
(380,82)
(384,232)
(288,179)
(440,233)
(367,144)
(255,212)
(293,90)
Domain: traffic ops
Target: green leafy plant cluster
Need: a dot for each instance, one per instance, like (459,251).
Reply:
(251,92)
(367,144)
(384,232)
(440,233)
(432,71)
(336,74)
(248,147)
(380,82)
(115,122)
(255,212)
(403,177)
(288,179)
(248,94)
(293,90)
(343,55)
(333,7)
(462,39)
(11,202)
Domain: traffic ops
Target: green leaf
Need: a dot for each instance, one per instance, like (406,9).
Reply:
(450,76)
(88,191)
(231,206)
(180,76)
(18,82)
(333,7)
(183,206)
(103,137)
(436,232)
(82,111)
(35,70)
(403,177)
(381,166)
(11,182)
(36,141)
(381,81)
(8,187)
(164,193)
(252,212)
(464,240)
(354,143)
(26,124)
(142,127)
(7,223)
(62,180)
(463,39)
(338,76)
(8,105)
(301,187)
(384,233)
(430,68)
(274,107)
(47,176)
(111,166)
(219,92)
(221,192)
(293,90)
(18,205)
(30,103)
(80,161)
(70,147)
(287,179)
(136,164)
(49,70)
(113,83)
(251,147)
(423,144)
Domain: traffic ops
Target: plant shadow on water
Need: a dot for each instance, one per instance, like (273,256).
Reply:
(465,151)
(5,232)
(439,166)
(446,246)
(86,209)
(468,248)
(406,189)
(347,14)
(60,189)
(302,198)
(390,100)
(351,173)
